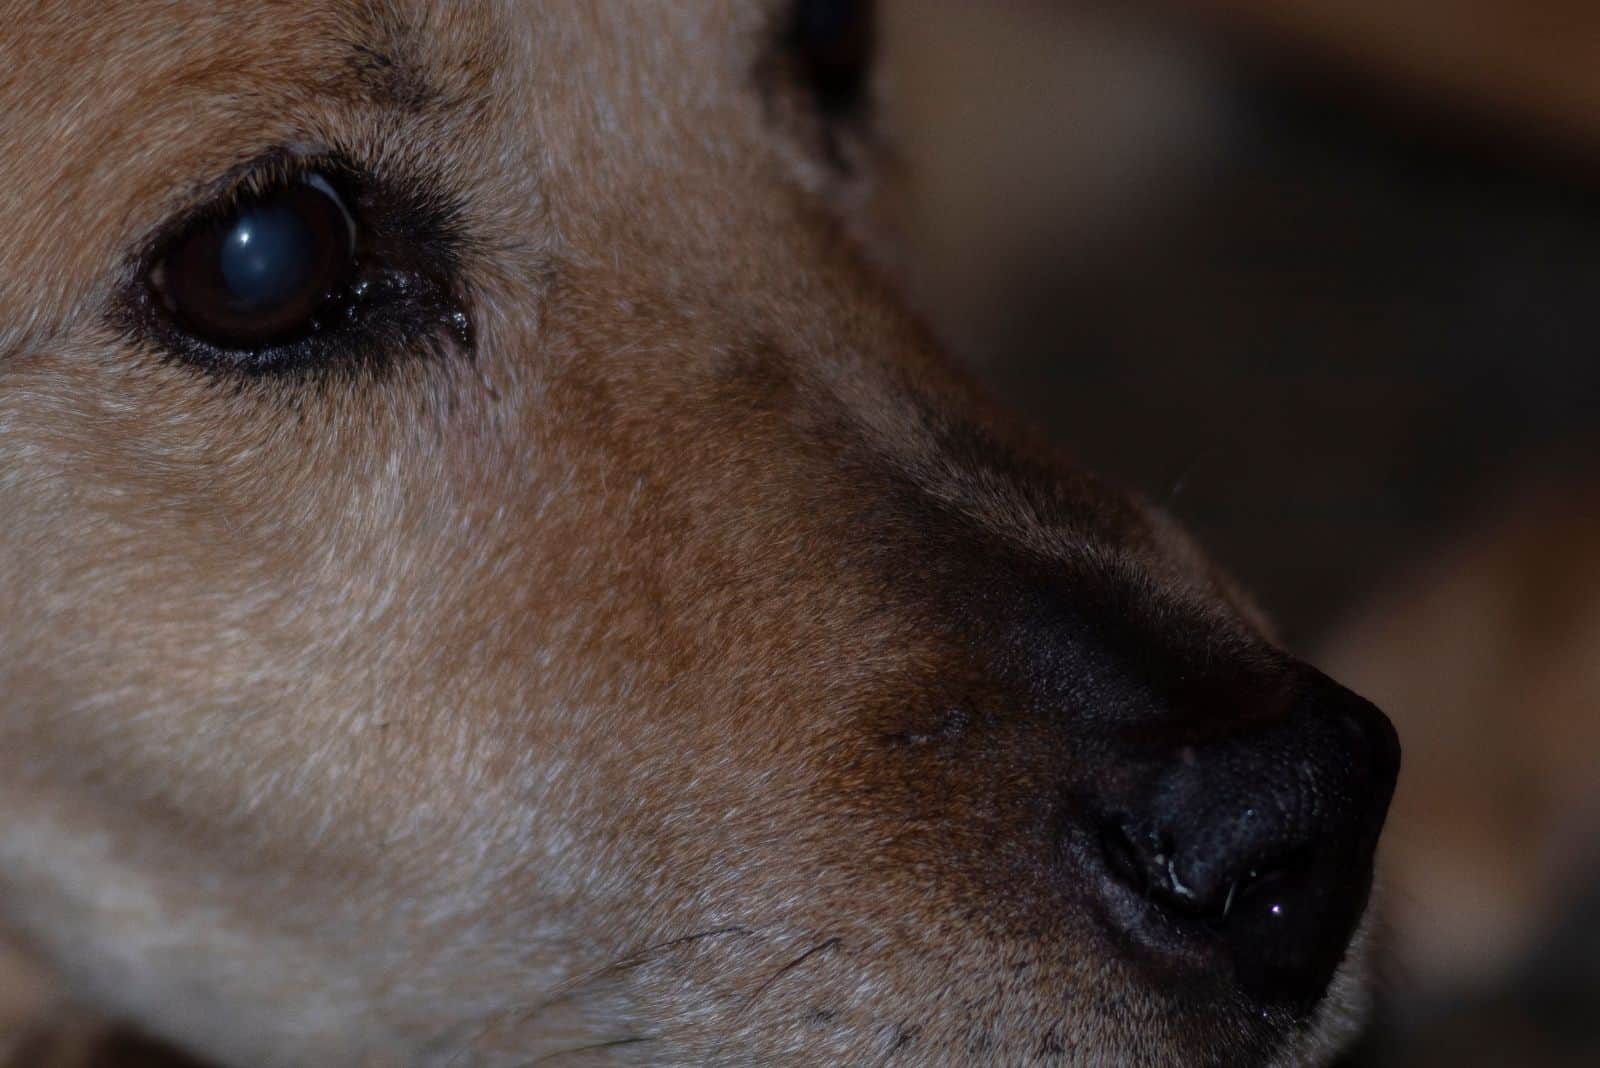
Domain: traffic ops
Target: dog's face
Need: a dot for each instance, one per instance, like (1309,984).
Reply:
(490,573)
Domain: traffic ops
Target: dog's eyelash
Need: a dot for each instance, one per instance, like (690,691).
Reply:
(404,298)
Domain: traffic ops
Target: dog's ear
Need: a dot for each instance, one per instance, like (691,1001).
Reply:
(818,80)
(833,43)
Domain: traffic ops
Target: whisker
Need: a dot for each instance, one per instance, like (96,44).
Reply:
(821,947)
(766,984)
(632,959)
(1198,460)
(566,989)
(590,1048)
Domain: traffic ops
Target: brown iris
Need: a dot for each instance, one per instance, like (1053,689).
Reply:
(261,273)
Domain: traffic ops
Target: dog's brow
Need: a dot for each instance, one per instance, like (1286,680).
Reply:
(383,73)
(386,61)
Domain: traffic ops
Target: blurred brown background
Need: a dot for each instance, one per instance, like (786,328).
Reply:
(1323,278)
(1322,314)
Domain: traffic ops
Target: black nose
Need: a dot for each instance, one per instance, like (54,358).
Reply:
(1261,839)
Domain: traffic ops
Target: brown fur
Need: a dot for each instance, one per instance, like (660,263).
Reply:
(606,685)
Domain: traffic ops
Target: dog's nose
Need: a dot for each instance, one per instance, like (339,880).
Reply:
(1261,840)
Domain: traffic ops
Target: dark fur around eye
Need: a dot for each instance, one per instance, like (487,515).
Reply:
(833,43)
(303,265)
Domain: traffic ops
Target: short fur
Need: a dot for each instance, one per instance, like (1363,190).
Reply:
(624,680)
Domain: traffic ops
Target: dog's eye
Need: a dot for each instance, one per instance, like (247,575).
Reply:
(263,272)
(305,265)
(834,41)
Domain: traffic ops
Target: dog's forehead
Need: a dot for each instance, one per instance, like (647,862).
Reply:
(133,61)
(128,109)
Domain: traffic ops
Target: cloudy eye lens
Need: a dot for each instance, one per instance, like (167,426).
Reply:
(261,273)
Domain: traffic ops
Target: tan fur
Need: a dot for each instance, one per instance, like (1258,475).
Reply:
(500,707)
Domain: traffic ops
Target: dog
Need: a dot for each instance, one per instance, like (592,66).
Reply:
(493,574)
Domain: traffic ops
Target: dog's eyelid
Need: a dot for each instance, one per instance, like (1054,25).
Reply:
(403,236)
(249,175)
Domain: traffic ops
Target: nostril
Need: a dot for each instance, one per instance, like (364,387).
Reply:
(1151,863)
(1283,918)
(1260,843)
(1146,859)
(1132,856)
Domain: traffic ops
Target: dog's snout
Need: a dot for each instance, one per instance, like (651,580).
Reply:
(1260,841)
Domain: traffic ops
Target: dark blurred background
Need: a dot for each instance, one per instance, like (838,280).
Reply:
(1323,278)
(1312,317)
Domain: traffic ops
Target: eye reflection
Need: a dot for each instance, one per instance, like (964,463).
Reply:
(261,273)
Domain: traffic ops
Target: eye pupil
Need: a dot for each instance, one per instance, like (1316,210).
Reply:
(261,273)
(266,257)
